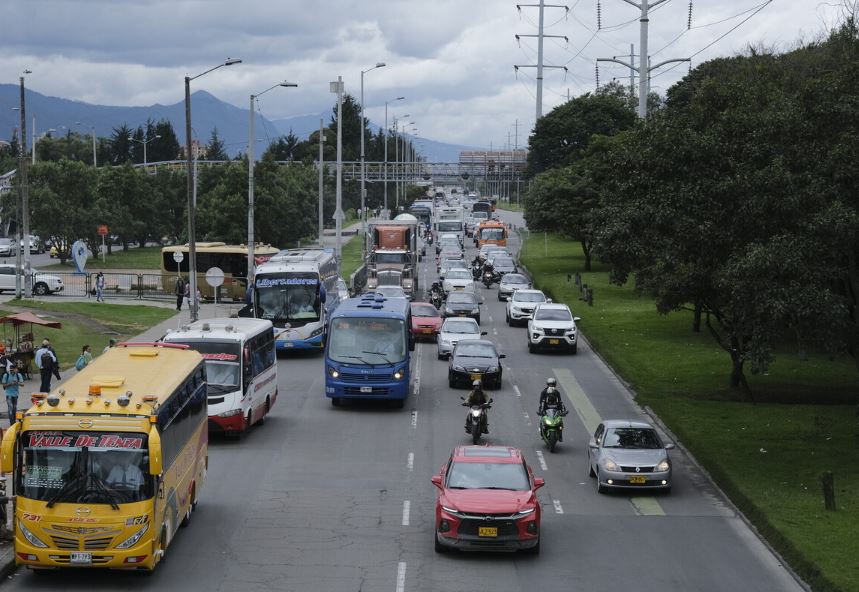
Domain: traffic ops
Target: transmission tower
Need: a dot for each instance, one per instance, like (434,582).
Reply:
(540,36)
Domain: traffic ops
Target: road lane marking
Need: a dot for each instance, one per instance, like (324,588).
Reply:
(414,418)
(646,506)
(490,317)
(407,505)
(417,383)
(527,417)
(494,331)
(558,508)
(542,460)
(583,406)
(516,388)
(401,576)
(410,462)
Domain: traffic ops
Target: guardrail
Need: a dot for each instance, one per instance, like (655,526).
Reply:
(358,280)
(141,286)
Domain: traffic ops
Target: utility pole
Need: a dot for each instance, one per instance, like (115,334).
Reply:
(25,198)
(516,135)
(540,36)
(337,87)
(644,67)
(321,180)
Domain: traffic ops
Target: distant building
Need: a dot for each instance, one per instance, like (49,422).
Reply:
(198,150)
(493,161)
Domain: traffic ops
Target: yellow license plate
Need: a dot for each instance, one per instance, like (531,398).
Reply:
(554,341)
(637,479)
(429,331)
(476,377)
(487,531)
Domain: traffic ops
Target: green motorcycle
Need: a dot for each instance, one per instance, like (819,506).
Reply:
(552,427)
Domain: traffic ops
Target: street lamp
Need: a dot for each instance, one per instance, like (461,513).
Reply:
(363,172)
(397,159)
(385,137)
(41,137)
(251,238)
(145,141)
(23,204)
(192,248)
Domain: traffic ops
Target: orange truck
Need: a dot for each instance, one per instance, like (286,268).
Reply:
(491,232)
(392,255)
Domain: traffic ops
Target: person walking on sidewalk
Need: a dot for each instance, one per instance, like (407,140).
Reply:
(99,287)
(46,361)
(84,359)
(12,383)
(180,292)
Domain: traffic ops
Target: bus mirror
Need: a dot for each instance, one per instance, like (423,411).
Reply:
(323,295)
(7,449)
(155,461)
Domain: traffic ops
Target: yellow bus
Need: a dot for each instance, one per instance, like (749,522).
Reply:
(106,468)
(231,259)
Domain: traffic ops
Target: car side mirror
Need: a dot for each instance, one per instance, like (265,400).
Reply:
(592,443)
(484,332)
(549,300)
(436,480)
(669,446)
(539,482)
(509,299)
(577,319)
(502,356)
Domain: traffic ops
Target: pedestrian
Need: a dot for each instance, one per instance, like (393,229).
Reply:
(12,382)
(84,359)
(188,293)
(99,287)
(110,343)
(180,292)
(46,361)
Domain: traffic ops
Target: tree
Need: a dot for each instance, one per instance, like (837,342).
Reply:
(283,148)
(215,148)
(351,131)
(167,146)
(121,145)
(124,203)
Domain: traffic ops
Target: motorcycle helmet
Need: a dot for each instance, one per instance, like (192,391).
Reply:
(551,382)
(476,384)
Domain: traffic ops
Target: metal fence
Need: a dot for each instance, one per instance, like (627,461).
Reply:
(125,285)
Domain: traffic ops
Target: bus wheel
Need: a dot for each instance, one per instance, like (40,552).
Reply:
(187,519)
(336,402)
(261,420)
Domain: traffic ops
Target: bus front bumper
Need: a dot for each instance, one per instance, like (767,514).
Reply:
(314,343)
(139,557)
(383,390)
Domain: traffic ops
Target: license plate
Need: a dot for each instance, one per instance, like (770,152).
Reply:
(366,389)
(81,558)
(476,377)
(458,287)
(428,331)
(487,531)
(637,479)
(554,341)
(287,344)
(463,314)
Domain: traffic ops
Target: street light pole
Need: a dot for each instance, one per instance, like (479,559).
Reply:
(144,141)
(251,237)
(385,136)
(25,198)
(192,247)
(363,170)
(321,179)
(337,87)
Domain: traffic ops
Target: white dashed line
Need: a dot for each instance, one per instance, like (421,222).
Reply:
(407,505)
(410,462)
(542,460)
(417,383)
(490,317)
(558,508)
(494,331)
(516,388)
(527,417)
(401,576)
(414,418)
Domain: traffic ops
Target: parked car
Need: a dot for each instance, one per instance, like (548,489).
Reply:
(7,247)
(475,360)
(510,283)
(462,304)
(426,320)
(43,283)
(487,499)
(520,306)
(552,326)
(453,331)
(36,245)
(629,455)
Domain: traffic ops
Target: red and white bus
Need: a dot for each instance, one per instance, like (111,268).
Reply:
(241,367)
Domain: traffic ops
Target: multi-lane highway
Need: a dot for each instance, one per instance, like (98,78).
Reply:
(339,499)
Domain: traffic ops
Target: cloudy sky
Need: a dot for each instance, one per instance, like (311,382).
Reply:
(452,59)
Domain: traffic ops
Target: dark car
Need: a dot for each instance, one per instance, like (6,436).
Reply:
(487,500)
(475,360)
(462,304)
(503,265)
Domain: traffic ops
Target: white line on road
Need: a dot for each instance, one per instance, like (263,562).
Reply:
(417,383)
(401,576)
(407,505)
(516,388)
(414,418)
(410,462)
(490,318)
(542,460)
(494,331)
(527,417)
(558,508)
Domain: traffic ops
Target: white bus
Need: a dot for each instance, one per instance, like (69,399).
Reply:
(450,219)
(295,290)
(241,365)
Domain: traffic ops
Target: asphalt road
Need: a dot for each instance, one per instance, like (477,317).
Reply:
(325,499)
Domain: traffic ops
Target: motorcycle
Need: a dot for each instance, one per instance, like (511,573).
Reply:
(488,278)
(552,427)
(475,421)
(436,299)
(475,272)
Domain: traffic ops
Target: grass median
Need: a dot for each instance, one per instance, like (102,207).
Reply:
(767,456)
(145,258)
(86,323)
(351,257)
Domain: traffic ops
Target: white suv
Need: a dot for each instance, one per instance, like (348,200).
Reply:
(552,326)
(43,283)
(521,305)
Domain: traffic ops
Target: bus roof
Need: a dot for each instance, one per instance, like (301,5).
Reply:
(222,248)
(150,371)
(282,266)
(371,304)
(223,329)
(319,255)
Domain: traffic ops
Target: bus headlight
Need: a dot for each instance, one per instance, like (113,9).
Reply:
(317,332)
(132,540)
(399,374)
(333,373)
(33,539)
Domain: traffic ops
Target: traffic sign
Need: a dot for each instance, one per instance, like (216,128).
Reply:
(102,230)
(178,256)
(215,276)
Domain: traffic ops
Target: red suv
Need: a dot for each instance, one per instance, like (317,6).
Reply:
(487,501)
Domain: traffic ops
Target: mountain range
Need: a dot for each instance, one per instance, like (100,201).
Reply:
(208,112)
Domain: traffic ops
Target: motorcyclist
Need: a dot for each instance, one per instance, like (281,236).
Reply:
(488,268)
(436,293)
(477,396)
(551,393)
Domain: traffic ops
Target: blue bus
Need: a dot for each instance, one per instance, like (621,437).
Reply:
(367,353)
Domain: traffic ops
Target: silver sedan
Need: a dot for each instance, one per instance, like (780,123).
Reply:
(629,455)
